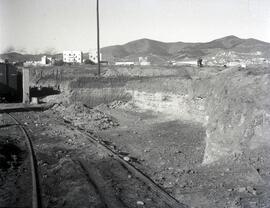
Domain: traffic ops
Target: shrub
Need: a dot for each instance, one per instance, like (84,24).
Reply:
(59,62)
(87,61)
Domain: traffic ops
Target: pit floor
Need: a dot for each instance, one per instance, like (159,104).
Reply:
(169,151)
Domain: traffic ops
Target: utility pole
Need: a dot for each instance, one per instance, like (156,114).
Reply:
(98,46)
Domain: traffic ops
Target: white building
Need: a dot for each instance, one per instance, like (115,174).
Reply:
(93,56)
(143,61)
(124,63)
(72,56)
(186,62)
(43,60)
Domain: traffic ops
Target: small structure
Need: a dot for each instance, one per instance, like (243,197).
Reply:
(199,62)
(185,62)
(93,56)
(43,60)
(8,81)
(72,56)
(14,83)
(31,63)
(243,65)
(125,63)
(233,63)
(50,60)
(143,61)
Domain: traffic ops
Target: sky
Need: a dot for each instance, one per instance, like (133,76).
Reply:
(37,26)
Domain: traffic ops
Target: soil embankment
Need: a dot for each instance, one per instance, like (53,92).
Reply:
(233,105)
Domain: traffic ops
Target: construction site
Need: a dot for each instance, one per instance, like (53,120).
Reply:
(144,124)
(152,137)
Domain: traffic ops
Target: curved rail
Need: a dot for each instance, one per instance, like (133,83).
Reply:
(166,197)
(36,196)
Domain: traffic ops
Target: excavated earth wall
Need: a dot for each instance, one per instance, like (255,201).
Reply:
(239,114)
(233,105)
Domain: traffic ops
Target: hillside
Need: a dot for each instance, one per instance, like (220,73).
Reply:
(180,50)
(18,57)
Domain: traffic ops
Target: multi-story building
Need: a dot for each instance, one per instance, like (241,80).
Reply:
(72,56)
(93,56)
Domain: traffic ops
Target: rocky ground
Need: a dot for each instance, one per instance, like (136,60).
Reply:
(169,151)
(74,172)
(172,151)
(15,173)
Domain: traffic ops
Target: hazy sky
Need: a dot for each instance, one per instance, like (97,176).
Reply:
(42,25)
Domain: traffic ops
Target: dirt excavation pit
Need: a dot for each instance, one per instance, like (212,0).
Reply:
(201,135)
(169,135)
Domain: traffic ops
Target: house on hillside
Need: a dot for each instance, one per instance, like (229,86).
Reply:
(143,61)
(72,56)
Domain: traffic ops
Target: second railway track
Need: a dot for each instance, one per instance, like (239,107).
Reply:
(36,191)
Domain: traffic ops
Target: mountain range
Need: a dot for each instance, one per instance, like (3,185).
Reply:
(161,51)
(158,52)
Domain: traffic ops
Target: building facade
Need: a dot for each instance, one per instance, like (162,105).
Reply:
(43,60)
(93,56)
(143,61)
(124,63)
(72,56)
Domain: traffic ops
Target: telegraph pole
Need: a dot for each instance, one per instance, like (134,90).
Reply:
(98,46)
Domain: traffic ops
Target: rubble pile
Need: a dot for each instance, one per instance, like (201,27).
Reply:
(233,58)
(116,104)
(84,117)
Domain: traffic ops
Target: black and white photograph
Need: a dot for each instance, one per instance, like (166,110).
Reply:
(134,104)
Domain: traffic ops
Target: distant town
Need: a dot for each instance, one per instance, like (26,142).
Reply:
(76,57)
(228,51)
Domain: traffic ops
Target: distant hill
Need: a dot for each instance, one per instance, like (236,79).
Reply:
(18,57)
(160,52)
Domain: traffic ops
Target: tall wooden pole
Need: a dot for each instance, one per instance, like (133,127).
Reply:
(98,46)
(26,88)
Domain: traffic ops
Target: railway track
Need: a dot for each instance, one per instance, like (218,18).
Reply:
(36,192)
(165,196)
(106,194)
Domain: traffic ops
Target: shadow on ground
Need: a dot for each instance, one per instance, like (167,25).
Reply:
(43,91)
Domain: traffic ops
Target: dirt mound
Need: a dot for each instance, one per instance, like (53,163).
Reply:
(87,118)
